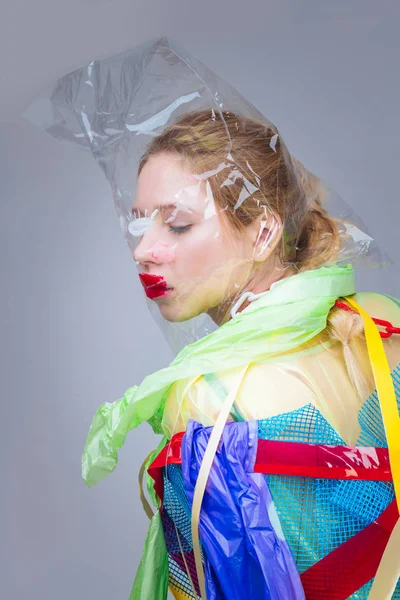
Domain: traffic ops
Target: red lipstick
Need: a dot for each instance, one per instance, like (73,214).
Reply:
(155,286)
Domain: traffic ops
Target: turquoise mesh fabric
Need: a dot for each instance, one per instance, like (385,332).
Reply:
(363,500)
(176,503)
(316,515)
(177,522)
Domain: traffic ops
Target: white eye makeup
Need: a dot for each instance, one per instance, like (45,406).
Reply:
(139,225)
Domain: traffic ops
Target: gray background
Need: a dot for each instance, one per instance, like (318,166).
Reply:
(75,330)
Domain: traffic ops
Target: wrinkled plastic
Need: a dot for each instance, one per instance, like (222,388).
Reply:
(290,315)
(212,205)
(240,531)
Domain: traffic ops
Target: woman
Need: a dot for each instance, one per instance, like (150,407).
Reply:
(265,269)
(276,476)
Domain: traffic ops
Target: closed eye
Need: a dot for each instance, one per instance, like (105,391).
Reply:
(180,229)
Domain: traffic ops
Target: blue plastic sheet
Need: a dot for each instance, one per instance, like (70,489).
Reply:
(246,553)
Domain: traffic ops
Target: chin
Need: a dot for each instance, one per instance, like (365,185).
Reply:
(172,314)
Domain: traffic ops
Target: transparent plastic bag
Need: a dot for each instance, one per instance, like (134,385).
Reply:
(212,205)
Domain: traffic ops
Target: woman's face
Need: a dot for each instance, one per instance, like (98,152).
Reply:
(191,260)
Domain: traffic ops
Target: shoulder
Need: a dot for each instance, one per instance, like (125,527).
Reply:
(380,306)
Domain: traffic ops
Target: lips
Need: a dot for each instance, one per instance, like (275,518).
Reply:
(155,286)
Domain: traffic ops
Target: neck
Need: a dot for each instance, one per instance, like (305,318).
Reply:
(221,313)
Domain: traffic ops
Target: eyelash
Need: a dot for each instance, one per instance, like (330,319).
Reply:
(180,230)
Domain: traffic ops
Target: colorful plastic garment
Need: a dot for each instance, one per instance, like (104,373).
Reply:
(335,503)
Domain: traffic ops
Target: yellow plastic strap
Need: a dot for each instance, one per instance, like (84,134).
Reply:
(204,473)
(388,572)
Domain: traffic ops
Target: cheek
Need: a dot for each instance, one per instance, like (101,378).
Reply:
(163,252)
(200,258)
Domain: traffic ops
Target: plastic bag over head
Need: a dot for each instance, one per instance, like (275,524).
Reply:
(212,205)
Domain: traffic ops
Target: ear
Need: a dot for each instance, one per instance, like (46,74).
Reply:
(266,233)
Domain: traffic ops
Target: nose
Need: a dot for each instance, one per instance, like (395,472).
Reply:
(153,252)
(143,251)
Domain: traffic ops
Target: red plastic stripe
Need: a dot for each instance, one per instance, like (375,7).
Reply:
(296,459)
(323,461)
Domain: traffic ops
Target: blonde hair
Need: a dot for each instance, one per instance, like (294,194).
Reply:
(254,157)
(345,327)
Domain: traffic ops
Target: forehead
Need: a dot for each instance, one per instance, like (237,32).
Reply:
(164,180)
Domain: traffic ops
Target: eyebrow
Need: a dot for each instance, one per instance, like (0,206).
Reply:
(161,208)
